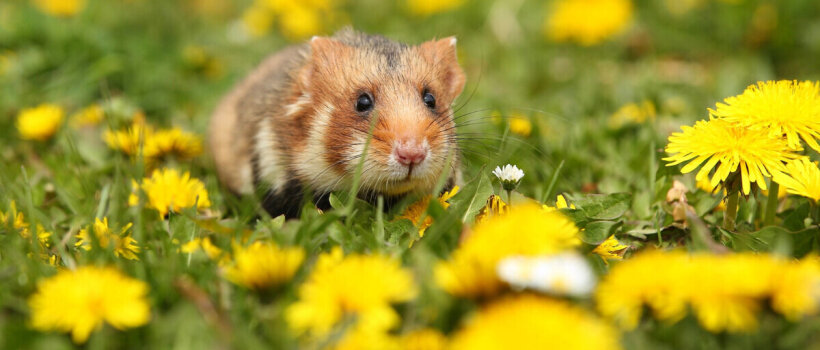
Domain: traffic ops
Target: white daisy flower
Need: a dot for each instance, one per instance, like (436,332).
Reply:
(562,274)
(509,175)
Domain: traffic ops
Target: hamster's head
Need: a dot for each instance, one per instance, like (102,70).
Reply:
(394,98)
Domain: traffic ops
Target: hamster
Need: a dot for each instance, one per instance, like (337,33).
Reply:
(300,121)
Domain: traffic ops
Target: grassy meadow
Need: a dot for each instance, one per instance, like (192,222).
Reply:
(625,232)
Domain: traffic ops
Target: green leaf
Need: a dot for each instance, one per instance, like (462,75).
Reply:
(598,231)
(799,243)
(603,207)
(472,197)
(335,202)
(795,220)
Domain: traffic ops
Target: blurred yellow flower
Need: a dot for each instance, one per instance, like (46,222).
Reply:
(40,123)
(89,116)
(264,264)
(154,144)
(778,108)
(167,191)
(201,61)
(80,301)
(525,230)
(610,249)
(587,22)
(124,245)
(417,209)
(174,141)
(520,124)
(632,113)
(363,339)
(423,339)
(429,7)
(212,251)
(801,177)
(795,286)
(300,22)
(531,322)
(733,149)
(361,285)
(724,291)
(296,19)
(14,219)
(129,140)
(60,8)
(257,20)
(43,236)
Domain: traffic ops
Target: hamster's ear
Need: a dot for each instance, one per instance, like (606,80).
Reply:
(321,57)
(442,54)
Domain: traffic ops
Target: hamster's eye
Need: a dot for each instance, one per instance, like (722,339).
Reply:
(429,99)
(364,103)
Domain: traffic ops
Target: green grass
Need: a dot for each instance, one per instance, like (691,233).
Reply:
(129,55)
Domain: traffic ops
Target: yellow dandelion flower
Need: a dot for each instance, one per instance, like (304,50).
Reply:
(560,203)
(40,123)
(725,292)
(133,198)
(751,153)
(429,7)
(796,290)
(14,219)
(361,285)
(257,20)
(363,339)
(520,124)
(89,116)
(801,177)
(779,108)
(43,236)
(587,22)
(730,291)
(531,322)
(174,141)
(415,211)
(154,144)
(124,245)
(167,191)
(264,264)
(495,206)
(525,230)
(80,301)
(202,62)
(300,22)
(423,339)
(129,140)
(205,244)
(632,113)
(610,249)
(60,8)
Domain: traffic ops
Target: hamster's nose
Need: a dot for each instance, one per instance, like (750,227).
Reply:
(410,153)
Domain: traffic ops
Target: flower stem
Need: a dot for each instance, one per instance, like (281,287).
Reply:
(771,203)
(509,197)
(731,211)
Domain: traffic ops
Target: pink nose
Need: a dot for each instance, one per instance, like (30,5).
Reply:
(410,154)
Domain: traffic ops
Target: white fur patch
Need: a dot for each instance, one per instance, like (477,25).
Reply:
(310,163)
(269,161)
(296,107)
